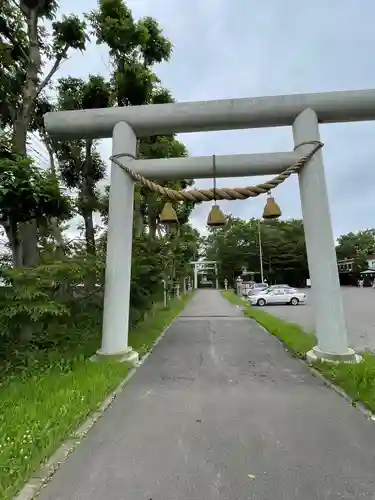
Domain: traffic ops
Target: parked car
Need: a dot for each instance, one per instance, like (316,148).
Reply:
(273,287)
(257,287)
(277,296)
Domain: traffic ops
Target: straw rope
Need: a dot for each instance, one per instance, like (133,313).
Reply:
(240,193)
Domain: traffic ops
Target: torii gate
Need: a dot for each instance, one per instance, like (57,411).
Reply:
(204,265)
(301,111)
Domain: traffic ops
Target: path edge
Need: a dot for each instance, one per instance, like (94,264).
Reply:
(366,412)
(39,479)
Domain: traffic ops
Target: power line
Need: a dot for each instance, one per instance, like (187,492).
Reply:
(38,152)
(37,146)
(38,156)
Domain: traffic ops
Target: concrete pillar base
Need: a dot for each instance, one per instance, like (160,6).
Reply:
(128,356)
(316,354)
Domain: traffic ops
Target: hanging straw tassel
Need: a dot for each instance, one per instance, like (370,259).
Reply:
(216,218)
(272,209)
(168,215)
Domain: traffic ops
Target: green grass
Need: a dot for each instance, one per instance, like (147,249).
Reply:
(357,380)
(41,405)
(143,336)
(290,334)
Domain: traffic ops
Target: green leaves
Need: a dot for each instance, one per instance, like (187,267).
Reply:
(155,47)
(27,193)
(68,33)
(236,246)
(80,163)
(113,24)
(96,93)
(76,93)
(45,8)
(42,295)
(349,245)
(133,82)
(134,48)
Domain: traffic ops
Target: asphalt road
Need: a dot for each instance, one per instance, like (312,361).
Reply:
(220,411)
(359,306)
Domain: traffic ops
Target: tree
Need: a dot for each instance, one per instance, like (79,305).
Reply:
(236,246)
(180,246)
(150,204)
(359,264)
(42,300)
(27,193)
(348,245)
(53,227)
(22,81)
(134,47)
(80,163)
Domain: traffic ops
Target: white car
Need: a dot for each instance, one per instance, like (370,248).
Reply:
(278,296)
(257,288)
(273,287)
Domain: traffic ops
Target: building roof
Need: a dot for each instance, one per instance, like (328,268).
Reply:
(368,271)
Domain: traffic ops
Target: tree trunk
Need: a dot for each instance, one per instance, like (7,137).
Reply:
(12,232)
(152,214)
(89,232)
(28,231)
(138,217)
(87,199)
(152,225)
(29,240)
(55,228)
(57,235)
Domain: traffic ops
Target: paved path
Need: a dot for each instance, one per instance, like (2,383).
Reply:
(221,412)
(359,307)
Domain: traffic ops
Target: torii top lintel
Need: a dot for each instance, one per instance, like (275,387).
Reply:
(225,114)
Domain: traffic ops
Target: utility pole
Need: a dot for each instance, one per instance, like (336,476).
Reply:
(260,253)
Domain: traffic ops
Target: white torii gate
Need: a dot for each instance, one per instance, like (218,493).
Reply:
(301,111)
(202,265)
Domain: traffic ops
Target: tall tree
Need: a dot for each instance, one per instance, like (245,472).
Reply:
(134,47)
(22,81)
(80,163)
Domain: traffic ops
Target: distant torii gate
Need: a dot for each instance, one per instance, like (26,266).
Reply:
(303,112)
(202,266)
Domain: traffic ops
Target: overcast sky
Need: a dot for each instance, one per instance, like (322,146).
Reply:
(249,48)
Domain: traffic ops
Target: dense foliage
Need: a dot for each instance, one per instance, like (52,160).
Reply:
(43,269)
(236,248)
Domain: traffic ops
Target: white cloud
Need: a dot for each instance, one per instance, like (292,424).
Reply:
(233,48)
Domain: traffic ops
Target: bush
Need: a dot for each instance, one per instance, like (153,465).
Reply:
(47,399)
(38,303)
(43,308)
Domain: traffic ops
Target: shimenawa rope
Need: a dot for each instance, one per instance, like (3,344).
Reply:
(240,193)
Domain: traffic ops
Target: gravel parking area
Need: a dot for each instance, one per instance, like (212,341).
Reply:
(359,305)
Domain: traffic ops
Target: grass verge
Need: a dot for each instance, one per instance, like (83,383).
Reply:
(44,403)
(358,380)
